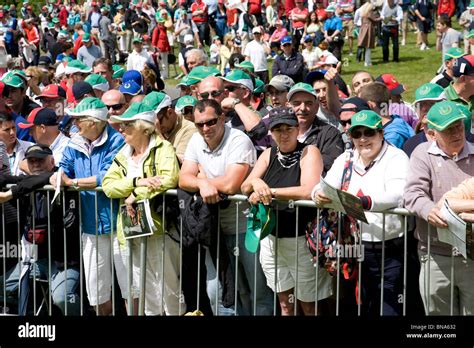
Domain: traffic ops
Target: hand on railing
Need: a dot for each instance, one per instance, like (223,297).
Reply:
(152,183)
(209,193)
(436,219)
(261,192)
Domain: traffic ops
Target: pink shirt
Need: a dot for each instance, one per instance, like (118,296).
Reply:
(278,35)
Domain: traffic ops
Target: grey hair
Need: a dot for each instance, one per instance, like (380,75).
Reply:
(147,128)
(200,54)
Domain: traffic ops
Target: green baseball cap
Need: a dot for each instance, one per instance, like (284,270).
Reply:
(301,87)
(55,20)
(471,6)
(118,71)
(466,112)
(239,77)
(76,66)
(183,82)
(98,82)
(156,101)
(119,7)
(86,37)
(50,25)
(92,107)
(453,53)
(259,86)
(429,91)
(199,73)
(366,118)
(12,79)
(443,114)
(185,101)
(260,223)
(137,40)
(136,111)
(246,64)
(331,8)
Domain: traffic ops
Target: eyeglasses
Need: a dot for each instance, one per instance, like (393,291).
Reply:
(124,125)
(213,94)
(345,123)
(209,123)
(232,88)
(366,132)
(115,107)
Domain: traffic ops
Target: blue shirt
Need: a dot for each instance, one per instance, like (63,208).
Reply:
(334,23)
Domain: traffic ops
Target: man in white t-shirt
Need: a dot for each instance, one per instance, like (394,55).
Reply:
(217,161)
(138,59)
(256,51)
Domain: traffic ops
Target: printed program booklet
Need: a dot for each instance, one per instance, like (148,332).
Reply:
(455,234)
(141,224)
(343,201)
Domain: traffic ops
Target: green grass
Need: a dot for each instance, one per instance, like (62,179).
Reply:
(414,69)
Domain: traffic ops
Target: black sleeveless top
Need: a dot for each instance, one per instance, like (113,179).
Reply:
(284,171)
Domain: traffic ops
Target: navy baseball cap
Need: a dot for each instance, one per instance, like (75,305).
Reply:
(463,66)
(132,83)
(80,89)
(314,75)
(38,151)
(285,40)
(40,116)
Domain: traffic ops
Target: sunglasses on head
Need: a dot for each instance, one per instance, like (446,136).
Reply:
(209,123)
(115,107)
(213,94)
(366,132)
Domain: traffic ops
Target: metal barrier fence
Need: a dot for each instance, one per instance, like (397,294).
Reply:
(44,284)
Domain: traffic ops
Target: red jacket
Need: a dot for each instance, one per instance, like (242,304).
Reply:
(446,7)
(255,7)
(63,17)
(159,39)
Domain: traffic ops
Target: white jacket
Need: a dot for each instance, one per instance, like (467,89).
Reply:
(384,182)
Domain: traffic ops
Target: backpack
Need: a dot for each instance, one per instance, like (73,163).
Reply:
(331,233)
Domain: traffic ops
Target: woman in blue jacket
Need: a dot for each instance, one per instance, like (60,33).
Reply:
(86,159)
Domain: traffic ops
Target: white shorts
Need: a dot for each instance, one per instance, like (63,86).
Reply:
(173,301)
(287,272)
(97,267)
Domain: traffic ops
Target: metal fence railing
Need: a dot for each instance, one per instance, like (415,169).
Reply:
(43,286)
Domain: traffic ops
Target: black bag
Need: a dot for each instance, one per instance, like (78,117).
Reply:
(171,58)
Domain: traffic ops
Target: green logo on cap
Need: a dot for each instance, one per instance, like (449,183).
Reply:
(445,110)
(425,90)
(361,117)
(8,78)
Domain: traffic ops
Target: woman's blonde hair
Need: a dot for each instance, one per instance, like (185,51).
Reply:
(35,72)
(366,9)
(149,76)
(228,37)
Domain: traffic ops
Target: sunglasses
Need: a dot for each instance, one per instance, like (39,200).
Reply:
(345,123)
(213,94)
(348,109)
(115,107)
(209,123)
(232,88)
(287,44)
(366,132)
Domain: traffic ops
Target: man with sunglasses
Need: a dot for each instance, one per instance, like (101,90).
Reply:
(115,102)
(217,160)
(239,112)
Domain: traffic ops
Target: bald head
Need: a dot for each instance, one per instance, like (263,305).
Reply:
(211,88)
(115,102)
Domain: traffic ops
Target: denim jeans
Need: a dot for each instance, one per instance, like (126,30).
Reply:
(252,284)
(64,290)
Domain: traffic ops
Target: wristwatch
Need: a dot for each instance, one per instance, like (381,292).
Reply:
(75,183)
(235,102)
(273,191)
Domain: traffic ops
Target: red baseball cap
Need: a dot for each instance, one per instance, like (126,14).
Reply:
(53,91)
(162,3)
(392,84)
(4,89)
(40,116)
(1,14)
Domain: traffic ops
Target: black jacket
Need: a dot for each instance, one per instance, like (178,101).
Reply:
(200,222)
(328,140)
(293,66)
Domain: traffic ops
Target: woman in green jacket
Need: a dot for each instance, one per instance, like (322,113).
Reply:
(144,168)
